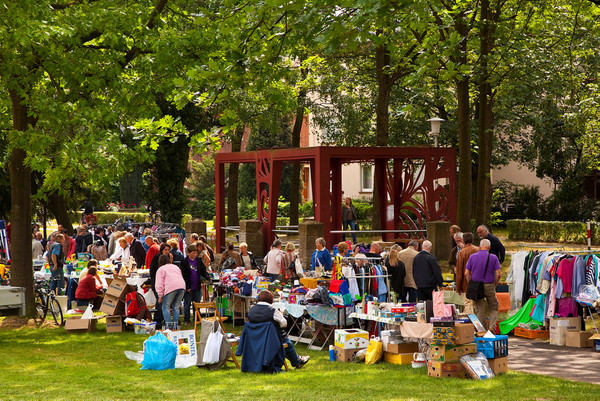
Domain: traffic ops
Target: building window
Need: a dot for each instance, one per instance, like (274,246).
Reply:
(366,178)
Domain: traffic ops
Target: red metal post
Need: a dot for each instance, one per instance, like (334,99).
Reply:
(274,187)
(397,192)
(336,199)
(380,172)
(322,196)
(220,204)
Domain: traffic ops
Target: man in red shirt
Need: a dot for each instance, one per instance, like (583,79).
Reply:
(153,250)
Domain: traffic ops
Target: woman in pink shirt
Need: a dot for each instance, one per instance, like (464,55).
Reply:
(170,287)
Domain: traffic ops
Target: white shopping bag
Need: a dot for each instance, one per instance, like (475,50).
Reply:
(213,347)
(89,313)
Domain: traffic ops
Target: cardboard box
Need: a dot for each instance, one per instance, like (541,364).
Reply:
(119,288)
(445,369)
(559,327)
(443,335)
(579,339)
(464,333)
(185,340)
(499,365)
(114,324)
(398,359)
(450,353)
(351,338)
(345,355)
(596,339)
(403,348)
(112,305)
(79,325)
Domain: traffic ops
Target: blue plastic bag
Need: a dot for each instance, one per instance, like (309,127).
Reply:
(159,353)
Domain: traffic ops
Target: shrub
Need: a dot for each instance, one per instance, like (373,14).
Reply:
(247,209)
(306,209)
(550,231)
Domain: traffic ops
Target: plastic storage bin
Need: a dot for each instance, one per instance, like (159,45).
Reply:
(493,347)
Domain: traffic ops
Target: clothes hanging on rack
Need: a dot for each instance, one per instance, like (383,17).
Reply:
(554,276)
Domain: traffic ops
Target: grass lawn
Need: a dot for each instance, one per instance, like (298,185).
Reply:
(47,363)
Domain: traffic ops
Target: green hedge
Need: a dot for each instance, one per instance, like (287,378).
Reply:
(552,231)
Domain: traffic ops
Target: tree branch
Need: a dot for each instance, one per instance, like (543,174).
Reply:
(63,6)
(136,51)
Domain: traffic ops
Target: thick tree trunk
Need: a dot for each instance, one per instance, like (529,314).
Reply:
(485,118)
(295,185)
(464,137)
(233,218)
(384,89)
(20,218)
(58,207)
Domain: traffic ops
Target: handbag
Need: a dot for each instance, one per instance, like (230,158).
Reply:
(475,289)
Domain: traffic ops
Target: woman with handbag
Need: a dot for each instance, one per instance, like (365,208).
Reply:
(291,262)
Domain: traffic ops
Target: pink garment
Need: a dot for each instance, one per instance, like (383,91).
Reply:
(566,307)
(169,279)
(565,272)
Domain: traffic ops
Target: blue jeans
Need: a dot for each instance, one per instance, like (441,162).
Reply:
(57,280)
(172,300)
(188,298)
(411,293)
(353,226)
(290,352)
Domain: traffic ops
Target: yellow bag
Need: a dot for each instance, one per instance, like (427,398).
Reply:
(374,351)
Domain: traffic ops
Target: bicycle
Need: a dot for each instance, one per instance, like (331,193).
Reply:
(154,218)
(45,301)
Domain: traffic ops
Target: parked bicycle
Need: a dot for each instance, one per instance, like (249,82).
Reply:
(46,302)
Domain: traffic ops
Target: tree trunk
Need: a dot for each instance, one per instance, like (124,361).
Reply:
(20,185)
(464,137)
(58,207)
(233,218)
(384,89)
(295,185)
(484,129)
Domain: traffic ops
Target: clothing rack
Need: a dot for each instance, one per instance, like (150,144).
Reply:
(365,258)
(534,246)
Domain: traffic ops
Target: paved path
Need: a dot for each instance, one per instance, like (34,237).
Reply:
(535,356)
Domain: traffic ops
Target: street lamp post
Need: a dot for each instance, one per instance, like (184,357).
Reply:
(435,128)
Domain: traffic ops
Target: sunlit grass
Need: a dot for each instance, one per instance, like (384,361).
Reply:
(50,364)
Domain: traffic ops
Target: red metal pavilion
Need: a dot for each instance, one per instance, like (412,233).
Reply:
(419,185)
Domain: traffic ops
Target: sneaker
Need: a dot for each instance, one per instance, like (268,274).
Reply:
(302,361)
(187,323)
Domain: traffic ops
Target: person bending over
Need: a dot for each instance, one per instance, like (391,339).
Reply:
(264,311)
(89,290)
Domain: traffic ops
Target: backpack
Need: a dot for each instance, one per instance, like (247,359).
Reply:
(339,292)
(211,254)
(135,306)
(228,263)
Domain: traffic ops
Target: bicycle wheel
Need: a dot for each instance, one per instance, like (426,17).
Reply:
(56,310)
(40,310)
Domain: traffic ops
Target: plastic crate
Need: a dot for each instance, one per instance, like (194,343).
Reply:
(521,332)
(493,347)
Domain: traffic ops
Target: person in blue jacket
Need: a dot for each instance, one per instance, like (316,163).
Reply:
(263,312)
(321,256)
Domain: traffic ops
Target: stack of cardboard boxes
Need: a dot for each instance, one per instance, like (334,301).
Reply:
(348,342)
(114,303)
(451,340)
(566,331)
(396,350)
(495,350)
